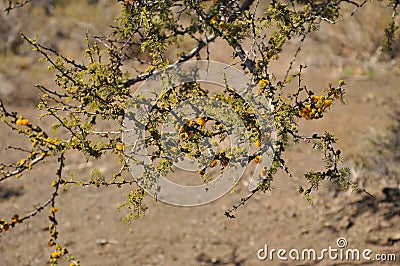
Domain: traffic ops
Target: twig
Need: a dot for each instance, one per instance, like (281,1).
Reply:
(16,5)
(200,45)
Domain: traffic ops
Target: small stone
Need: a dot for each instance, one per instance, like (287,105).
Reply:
(104,241)
(304,232)
(385,224)
(345,223)
(395,237)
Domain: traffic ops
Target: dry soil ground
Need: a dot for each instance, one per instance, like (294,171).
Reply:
(92,229)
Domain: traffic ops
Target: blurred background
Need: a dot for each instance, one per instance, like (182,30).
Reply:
(368,128)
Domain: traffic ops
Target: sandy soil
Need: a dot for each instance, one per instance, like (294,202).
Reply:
(91,226)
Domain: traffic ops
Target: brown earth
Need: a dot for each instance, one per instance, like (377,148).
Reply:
(91,227)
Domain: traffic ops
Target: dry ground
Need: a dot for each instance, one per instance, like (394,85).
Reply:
(167,235)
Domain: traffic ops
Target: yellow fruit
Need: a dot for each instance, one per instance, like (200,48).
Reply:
(201,121)
(258,143)
(214,20)
(263,83)
(183,135)
(315,98)
(51,243)
(305,112)
(53,232)
(224,162)
(119,147)
(22,121)
(55,254)
(213,163)
(5,226)
(64,251)
(15,219)
(327,103)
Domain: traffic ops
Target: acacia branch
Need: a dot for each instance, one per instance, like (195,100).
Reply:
(53,196)
(12,6)
(200,45)
(203,43)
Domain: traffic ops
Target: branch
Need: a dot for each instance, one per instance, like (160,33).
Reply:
(53,196)
(16,5)
(250,64)
(200,45)
(203,43)
(243,201)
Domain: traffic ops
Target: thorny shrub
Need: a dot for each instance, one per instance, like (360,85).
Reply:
(149,36)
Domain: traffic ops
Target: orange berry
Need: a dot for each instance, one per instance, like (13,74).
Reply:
(51,243)
(327,103)
(257,159)
(55,254)
(258,143)
(5,226)
(22,121)
(213,163)
(201,121)
(15,219)
(305,112)
(119,147)
(214,20)
(263,83)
